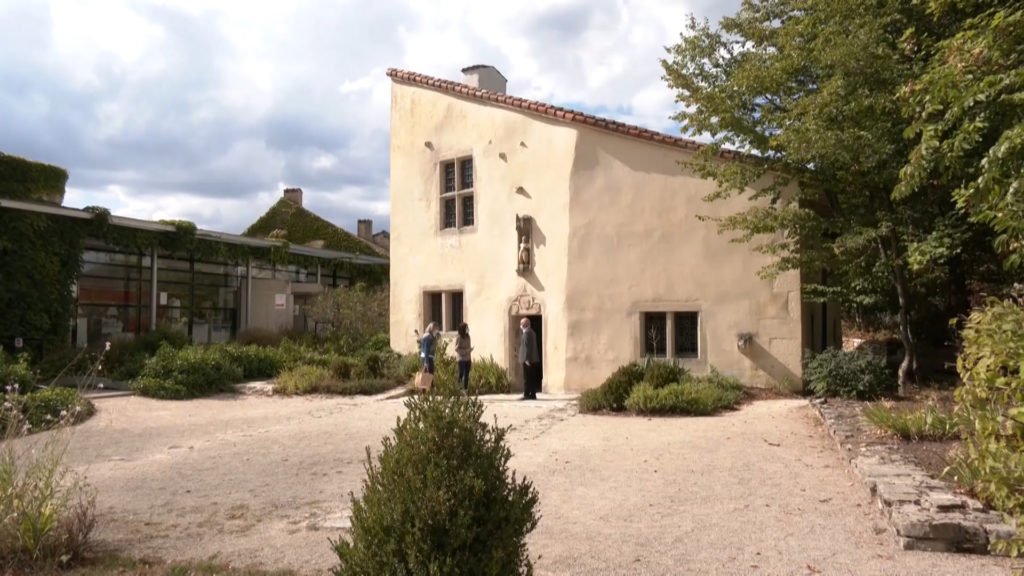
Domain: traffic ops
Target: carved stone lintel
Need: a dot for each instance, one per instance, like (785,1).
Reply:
(525,305)
(524,238)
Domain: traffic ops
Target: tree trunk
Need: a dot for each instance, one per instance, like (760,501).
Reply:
(908,367)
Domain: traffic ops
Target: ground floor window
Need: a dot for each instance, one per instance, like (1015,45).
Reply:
(444,307)
(667,334)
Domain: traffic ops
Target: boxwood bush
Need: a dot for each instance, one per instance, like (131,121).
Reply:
(440,498)
(857,374)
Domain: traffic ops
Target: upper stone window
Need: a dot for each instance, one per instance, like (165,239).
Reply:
(457,207)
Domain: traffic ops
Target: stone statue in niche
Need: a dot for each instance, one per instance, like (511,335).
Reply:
(524,227)
(524,255)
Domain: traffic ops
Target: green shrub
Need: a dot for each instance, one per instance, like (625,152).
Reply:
(719,380)
(593,400)
(446,369)
(66,361)
(126,358)
(378,343)
(303,380)
(51,407)
(929,423)
(160,389)
(402,368)
(295,354)
(16,374)
(488,377)
(696,397)
(342,367)
(612,394)
(189,372)
(255,362)
(440,498)
(660,374)
(259,337)
(859,375)
(990,412)
(373,362)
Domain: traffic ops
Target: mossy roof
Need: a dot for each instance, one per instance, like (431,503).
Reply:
(302,226)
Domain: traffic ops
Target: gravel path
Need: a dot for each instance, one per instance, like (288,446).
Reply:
(263,480)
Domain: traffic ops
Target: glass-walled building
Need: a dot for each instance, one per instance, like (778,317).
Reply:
(122,293)
(201,299)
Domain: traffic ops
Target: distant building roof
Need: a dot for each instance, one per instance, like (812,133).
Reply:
(288,220)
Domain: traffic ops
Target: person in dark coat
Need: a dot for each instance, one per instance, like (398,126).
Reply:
(529,358)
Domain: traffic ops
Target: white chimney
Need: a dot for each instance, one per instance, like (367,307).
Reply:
(484,77)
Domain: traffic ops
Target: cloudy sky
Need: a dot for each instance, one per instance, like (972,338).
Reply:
(205,110)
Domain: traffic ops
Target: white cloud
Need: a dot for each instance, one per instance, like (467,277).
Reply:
(200,110)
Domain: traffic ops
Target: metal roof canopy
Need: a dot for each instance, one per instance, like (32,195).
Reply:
(138,224)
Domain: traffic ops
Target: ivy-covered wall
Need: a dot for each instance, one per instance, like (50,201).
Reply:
(41,255)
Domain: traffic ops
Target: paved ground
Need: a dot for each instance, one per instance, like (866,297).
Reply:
(255,480)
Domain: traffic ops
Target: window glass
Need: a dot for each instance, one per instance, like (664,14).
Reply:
(655,334)
(686,331)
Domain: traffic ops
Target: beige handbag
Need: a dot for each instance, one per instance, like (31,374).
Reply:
(423,381)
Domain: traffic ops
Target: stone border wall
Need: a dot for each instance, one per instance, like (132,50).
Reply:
(925,513)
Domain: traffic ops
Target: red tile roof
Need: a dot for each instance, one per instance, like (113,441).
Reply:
(543,109)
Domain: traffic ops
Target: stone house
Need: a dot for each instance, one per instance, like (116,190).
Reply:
(503,207)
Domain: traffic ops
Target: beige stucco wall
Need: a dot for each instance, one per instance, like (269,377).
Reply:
(636,245)
(521,166)
(615,234)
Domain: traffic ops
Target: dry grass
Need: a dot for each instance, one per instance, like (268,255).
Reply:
(114,565)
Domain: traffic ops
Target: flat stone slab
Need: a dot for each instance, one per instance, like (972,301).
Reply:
(925,514)
(255,388)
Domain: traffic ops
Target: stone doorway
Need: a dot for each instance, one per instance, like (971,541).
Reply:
(524,306)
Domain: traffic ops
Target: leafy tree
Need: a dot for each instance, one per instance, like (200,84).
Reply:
(356,313)
(969,114)
(809,91)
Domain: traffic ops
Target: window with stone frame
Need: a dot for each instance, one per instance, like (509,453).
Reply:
(667,334)
(445,307)
(458,208)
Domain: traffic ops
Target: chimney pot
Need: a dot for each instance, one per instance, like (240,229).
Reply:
(484,77)
(293,195)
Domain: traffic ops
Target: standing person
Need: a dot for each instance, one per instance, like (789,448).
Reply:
(463,353)
(529,357)
(428,343)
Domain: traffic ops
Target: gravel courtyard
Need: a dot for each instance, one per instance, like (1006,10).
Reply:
(264,480)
